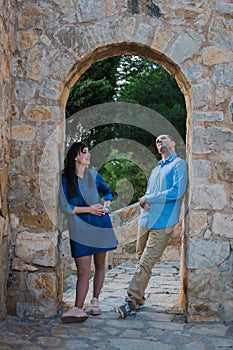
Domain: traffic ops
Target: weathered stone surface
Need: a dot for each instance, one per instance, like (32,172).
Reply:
(220,139)
(223,75)
(223,225)
(212,197)
(201,98)
(34,64)
(23,132)
(25,90)
(224,170)
(37,248)
(162,39)
(7,42)
(38,113)
(185,46)
(42,286)
(212,139)
(200,223)
(3,276)
(201,169)
(214,55)
(36,17)
(26,40)
(208,116)
(207,253)
(228,307)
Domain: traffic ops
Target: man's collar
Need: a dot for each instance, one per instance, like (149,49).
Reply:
(169,159)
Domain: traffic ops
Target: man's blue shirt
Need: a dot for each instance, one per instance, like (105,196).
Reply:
(165,192)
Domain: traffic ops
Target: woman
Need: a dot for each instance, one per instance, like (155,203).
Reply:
(89,226)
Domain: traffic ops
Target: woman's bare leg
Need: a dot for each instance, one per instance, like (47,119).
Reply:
(99,275)
(83,271)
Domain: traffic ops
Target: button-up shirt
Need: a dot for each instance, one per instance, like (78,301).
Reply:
(165,192)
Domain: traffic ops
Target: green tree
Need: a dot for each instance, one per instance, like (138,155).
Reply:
(95,86)
(154,88)
(119,173)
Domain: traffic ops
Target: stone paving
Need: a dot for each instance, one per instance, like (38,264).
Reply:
(160,325)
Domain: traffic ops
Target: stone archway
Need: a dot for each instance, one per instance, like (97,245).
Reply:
(55,44)
(102,53)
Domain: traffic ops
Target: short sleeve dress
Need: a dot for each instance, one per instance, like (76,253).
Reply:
(89,234)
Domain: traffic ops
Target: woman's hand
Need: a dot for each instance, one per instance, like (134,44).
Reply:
(97,209)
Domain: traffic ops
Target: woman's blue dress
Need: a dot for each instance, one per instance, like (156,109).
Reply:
(89,234)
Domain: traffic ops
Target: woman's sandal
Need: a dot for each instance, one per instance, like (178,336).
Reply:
(74,315)
(95,307)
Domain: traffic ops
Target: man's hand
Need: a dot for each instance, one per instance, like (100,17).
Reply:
(143,203)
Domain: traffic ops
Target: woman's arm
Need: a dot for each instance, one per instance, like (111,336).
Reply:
(103,189)
(94,209)
(105,192)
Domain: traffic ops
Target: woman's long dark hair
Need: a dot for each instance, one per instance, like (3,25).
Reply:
(69,169)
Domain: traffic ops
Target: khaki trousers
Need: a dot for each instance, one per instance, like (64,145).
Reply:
(150,246)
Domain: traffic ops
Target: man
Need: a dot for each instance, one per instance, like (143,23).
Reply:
(160,213)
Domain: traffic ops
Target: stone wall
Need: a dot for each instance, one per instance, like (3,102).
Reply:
(56,41)
(7,20)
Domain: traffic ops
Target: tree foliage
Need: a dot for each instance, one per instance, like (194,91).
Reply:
(95,86)
(153,87)
(125,177)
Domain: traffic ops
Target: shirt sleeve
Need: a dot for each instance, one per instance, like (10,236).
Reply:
(176,190)
(64,200)
(103,189)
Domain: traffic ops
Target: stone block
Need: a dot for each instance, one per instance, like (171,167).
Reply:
(224,170)
(215,55)
(25,90)
(37,113)
(48,310)
(23,132)
(223,75)
(26,40)
(209,197)
(162,39)
(34,64)
(37,248)
(185,46)
(50,88)
(223,225)
(201,98)
(207,254)
(201,169)
(220,139)
(36,17)
(199,223)
(142,31)
(42,285)
(228,309)
(90,10)
(208,116)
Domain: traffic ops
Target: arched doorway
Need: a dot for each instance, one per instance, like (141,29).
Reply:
(156,57)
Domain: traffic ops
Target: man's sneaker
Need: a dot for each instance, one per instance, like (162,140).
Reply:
(140,307)
(127,309)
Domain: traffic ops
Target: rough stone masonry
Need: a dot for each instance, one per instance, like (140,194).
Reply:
(45,47)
